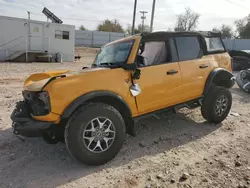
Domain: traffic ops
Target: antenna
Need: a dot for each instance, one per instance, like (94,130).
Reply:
(51,16)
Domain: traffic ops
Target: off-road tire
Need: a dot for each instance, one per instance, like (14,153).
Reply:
(77,124)
(209,102)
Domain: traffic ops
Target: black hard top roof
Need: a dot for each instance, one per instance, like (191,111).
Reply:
(163,34)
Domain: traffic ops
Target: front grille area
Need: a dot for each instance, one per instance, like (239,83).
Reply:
(38,102)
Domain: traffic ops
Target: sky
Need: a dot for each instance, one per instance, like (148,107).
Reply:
(213,13)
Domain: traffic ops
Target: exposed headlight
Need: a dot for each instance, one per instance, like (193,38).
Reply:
(39,102)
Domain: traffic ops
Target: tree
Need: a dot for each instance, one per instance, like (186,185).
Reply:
(138,29)
(187,21)
(82,28)
(245,34)
(225,30)
(110,26)
(243,27)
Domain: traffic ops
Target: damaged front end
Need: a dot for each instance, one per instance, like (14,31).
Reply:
(34,104)
(38,103)
(23,123)
(32,117)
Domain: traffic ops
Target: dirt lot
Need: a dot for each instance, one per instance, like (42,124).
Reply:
(165,148)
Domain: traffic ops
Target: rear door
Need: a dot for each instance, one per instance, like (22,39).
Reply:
(194,67)
(160,81)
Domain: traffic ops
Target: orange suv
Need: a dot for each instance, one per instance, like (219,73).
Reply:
(93,109)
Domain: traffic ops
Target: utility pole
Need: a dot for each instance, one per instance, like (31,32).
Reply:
(133,24)
(28,35)
(28,14)
(143,17)
(152,17)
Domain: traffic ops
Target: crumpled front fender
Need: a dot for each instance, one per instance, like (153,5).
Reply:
(37,81)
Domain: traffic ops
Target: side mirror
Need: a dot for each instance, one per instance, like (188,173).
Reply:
(133,67)
(137,74)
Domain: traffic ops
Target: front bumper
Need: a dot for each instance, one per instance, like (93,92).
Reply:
(24,125)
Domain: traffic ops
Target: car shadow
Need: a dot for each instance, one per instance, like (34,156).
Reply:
(33,163)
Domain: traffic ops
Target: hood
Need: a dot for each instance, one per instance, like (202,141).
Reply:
(37,81)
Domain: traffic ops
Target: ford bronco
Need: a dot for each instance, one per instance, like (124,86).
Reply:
(93,109)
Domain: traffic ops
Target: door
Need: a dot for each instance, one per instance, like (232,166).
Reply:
(36,37)
(194,67)
(160,79)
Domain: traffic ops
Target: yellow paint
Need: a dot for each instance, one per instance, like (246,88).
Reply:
(193,77)
(159,90)
(50,118)
(64,91)
(36,30)
(42,78)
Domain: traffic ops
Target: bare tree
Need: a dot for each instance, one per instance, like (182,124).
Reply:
(187,21)
(225,30)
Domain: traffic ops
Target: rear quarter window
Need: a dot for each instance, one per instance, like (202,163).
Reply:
(214,44)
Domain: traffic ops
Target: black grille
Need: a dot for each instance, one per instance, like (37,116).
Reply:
(21,110)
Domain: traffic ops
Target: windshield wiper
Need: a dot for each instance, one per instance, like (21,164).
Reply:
(111,64)
(107,63)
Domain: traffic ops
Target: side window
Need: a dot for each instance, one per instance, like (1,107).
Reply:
(172,52)
(66,35)
(188,47)
(154,53)
(214,44)
(62,34)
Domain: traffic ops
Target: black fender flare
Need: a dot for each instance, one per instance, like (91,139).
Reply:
(221,77)
(123,107)
(87,97)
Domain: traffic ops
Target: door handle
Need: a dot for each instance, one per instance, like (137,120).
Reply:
(203,66)
(171,72)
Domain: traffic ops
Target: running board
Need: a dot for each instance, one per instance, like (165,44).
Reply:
(190,105)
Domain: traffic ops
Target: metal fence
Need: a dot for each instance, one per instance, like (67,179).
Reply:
(95,38)
(237,44)
(99,38)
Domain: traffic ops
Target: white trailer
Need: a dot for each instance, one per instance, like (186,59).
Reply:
(25,40)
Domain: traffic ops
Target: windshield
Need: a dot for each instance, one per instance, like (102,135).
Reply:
(114,54)
(214,44)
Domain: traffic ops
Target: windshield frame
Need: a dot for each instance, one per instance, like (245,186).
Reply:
(118,65)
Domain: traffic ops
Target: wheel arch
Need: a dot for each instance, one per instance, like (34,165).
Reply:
(106,97)
(219,77)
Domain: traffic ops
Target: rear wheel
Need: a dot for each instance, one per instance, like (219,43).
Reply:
(95,134)
(216,104)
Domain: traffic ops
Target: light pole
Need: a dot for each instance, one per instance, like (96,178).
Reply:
(133,24)
(152,17)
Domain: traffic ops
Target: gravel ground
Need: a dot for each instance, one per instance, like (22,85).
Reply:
(173,150)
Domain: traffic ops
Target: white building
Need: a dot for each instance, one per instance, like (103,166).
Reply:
(20,38)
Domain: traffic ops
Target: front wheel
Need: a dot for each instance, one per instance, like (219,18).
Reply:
(95,134)
(216,104)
